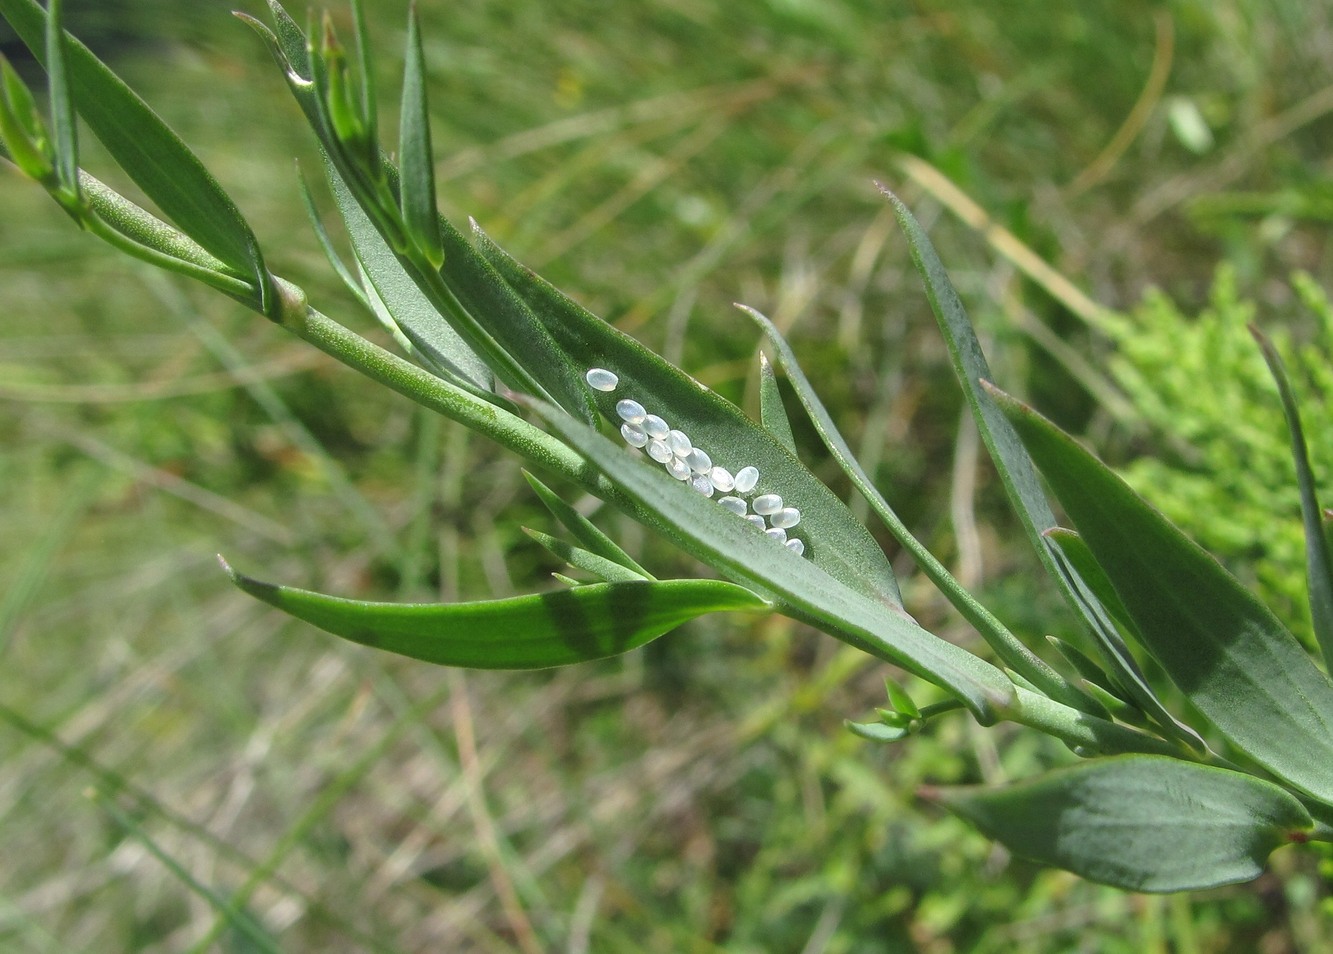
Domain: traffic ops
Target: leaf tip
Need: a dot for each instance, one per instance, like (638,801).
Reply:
(259,590)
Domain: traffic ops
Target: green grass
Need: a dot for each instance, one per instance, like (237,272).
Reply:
(186,770)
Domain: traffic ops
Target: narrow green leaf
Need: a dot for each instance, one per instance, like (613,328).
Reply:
(1119,708)
(343,104)
(607,570)
(1012,463)
(900,700)
(335,261)
(835,540)
(366,68)
(64,130)
(1319,563)
(408,306)
(1140,822)
(1225,650)
(1082,562)
(286,41)
(1082,664)
(584,530)
(807,592)
(483,292)
(523,632)
(466,292)
(1103,608)
(877,731)
(22,132)
(772,413)
(153,156)
(997,635)
(416,169)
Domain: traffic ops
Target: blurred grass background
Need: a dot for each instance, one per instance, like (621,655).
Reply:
(185,770)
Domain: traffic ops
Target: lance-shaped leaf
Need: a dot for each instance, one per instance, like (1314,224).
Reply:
(1006,645)
(153,156)
(606,570)
(22,132)
(739,550)
(772,412)
(417,185)
(836,540)
(523,632)
(411,311)
(1103,609)
(1226,651)
(466,292)
(1085,667)
(1140,822)
(584,530)
(1011,461)
(877,731)
(1319,564)
(64,132)
(369,105)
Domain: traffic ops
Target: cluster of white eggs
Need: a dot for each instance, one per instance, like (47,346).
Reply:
(692,465)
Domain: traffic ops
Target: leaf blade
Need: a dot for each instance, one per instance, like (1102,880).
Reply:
(416,160)
(772,412)
(524,632)
(1015,467)
(408,306)
(1226,651)
(146,148)
(838,542)
(807,591)
(1319,561)
(584,530)
(1140,822)
(1006,645)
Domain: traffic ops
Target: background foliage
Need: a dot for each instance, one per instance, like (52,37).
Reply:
(659,160)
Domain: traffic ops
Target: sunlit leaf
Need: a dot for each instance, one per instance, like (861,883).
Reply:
(606,570)
(584,530)
(1226,651)
(416,161)
(877,731)
(22,131)
(466,292)
(1103,609)
(742,552)
(1140,822)
(1007,646)
(1319,563)
(154,157)
(900,700)
(64,132)
(772,413)
(409,308)
(366,69)
(523,632)
(350,281)
(835,540)
(1011,460)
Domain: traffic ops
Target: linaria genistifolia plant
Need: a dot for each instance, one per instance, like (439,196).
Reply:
(1151,806)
